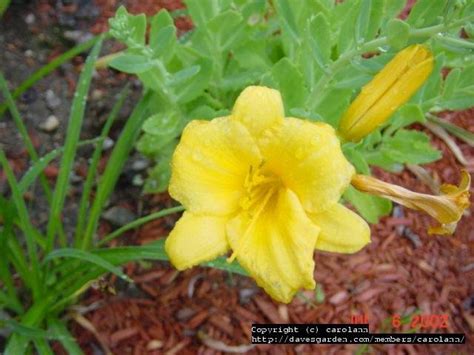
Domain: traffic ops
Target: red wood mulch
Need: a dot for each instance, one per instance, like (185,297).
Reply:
(171,312)
(401,271)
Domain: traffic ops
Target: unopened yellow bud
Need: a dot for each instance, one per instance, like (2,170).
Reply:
(388,90)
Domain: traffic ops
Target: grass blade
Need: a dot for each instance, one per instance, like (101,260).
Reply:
(138,222)
(222,264)
(119,256)
(30,176)
(26,225)
(87,187)
(23,132)
(42,347)
(70,146)
(67,340)
(48,68)
(457,131)
(114,167)
(8,215)
(88,257)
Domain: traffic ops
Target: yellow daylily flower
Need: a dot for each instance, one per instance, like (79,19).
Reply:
(266,188)
(388,90)
(447,208)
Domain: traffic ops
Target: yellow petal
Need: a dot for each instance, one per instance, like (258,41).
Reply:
(342,231)
(308,158)
(196,239)
(277,247)
(447,208)
(258,108)
(210,164)
(390,88)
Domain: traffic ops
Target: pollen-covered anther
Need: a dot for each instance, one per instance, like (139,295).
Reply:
(257,186)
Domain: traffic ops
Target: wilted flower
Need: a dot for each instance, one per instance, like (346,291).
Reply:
(447,208)
(266,187)
(388,90)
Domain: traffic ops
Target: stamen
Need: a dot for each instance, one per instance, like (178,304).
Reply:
(253,220)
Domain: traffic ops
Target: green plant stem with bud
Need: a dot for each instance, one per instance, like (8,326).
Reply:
(372,46)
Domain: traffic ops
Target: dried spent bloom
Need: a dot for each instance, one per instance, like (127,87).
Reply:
(386,92)
(447,208)
(265,187)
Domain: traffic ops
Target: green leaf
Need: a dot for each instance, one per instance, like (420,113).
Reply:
(393,8)
(457,131)
(128,28)
(35,170)
(88,257)
(320,40)
(357,159)
(66,338)
(451,83)
(319,294)
(411,147)
(33,279)
(291,38)
(347,38)
(115,164)
(222,264)
(405,116)
(202,11)
(160,20)
(426,13)
(193,87)
(369,19)
(371,208)
(226,29)
(381,158)
(241,79)
(162,124)
(164,42)
(131,63)
(458,93)
(70,145)
(398,32)
(138,222)
(290,82)
(42,347)
(454,44)
(159,176)
(185,74)
(93,167)
(333,104)
(351,79)
(431,88)
(160,130)
(253,54)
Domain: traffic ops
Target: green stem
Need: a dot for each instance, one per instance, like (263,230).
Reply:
(138,222)
(371,46)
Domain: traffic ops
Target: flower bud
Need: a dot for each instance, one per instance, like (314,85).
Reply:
(388,90)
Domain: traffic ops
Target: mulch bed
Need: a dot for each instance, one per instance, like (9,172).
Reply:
(398,273)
